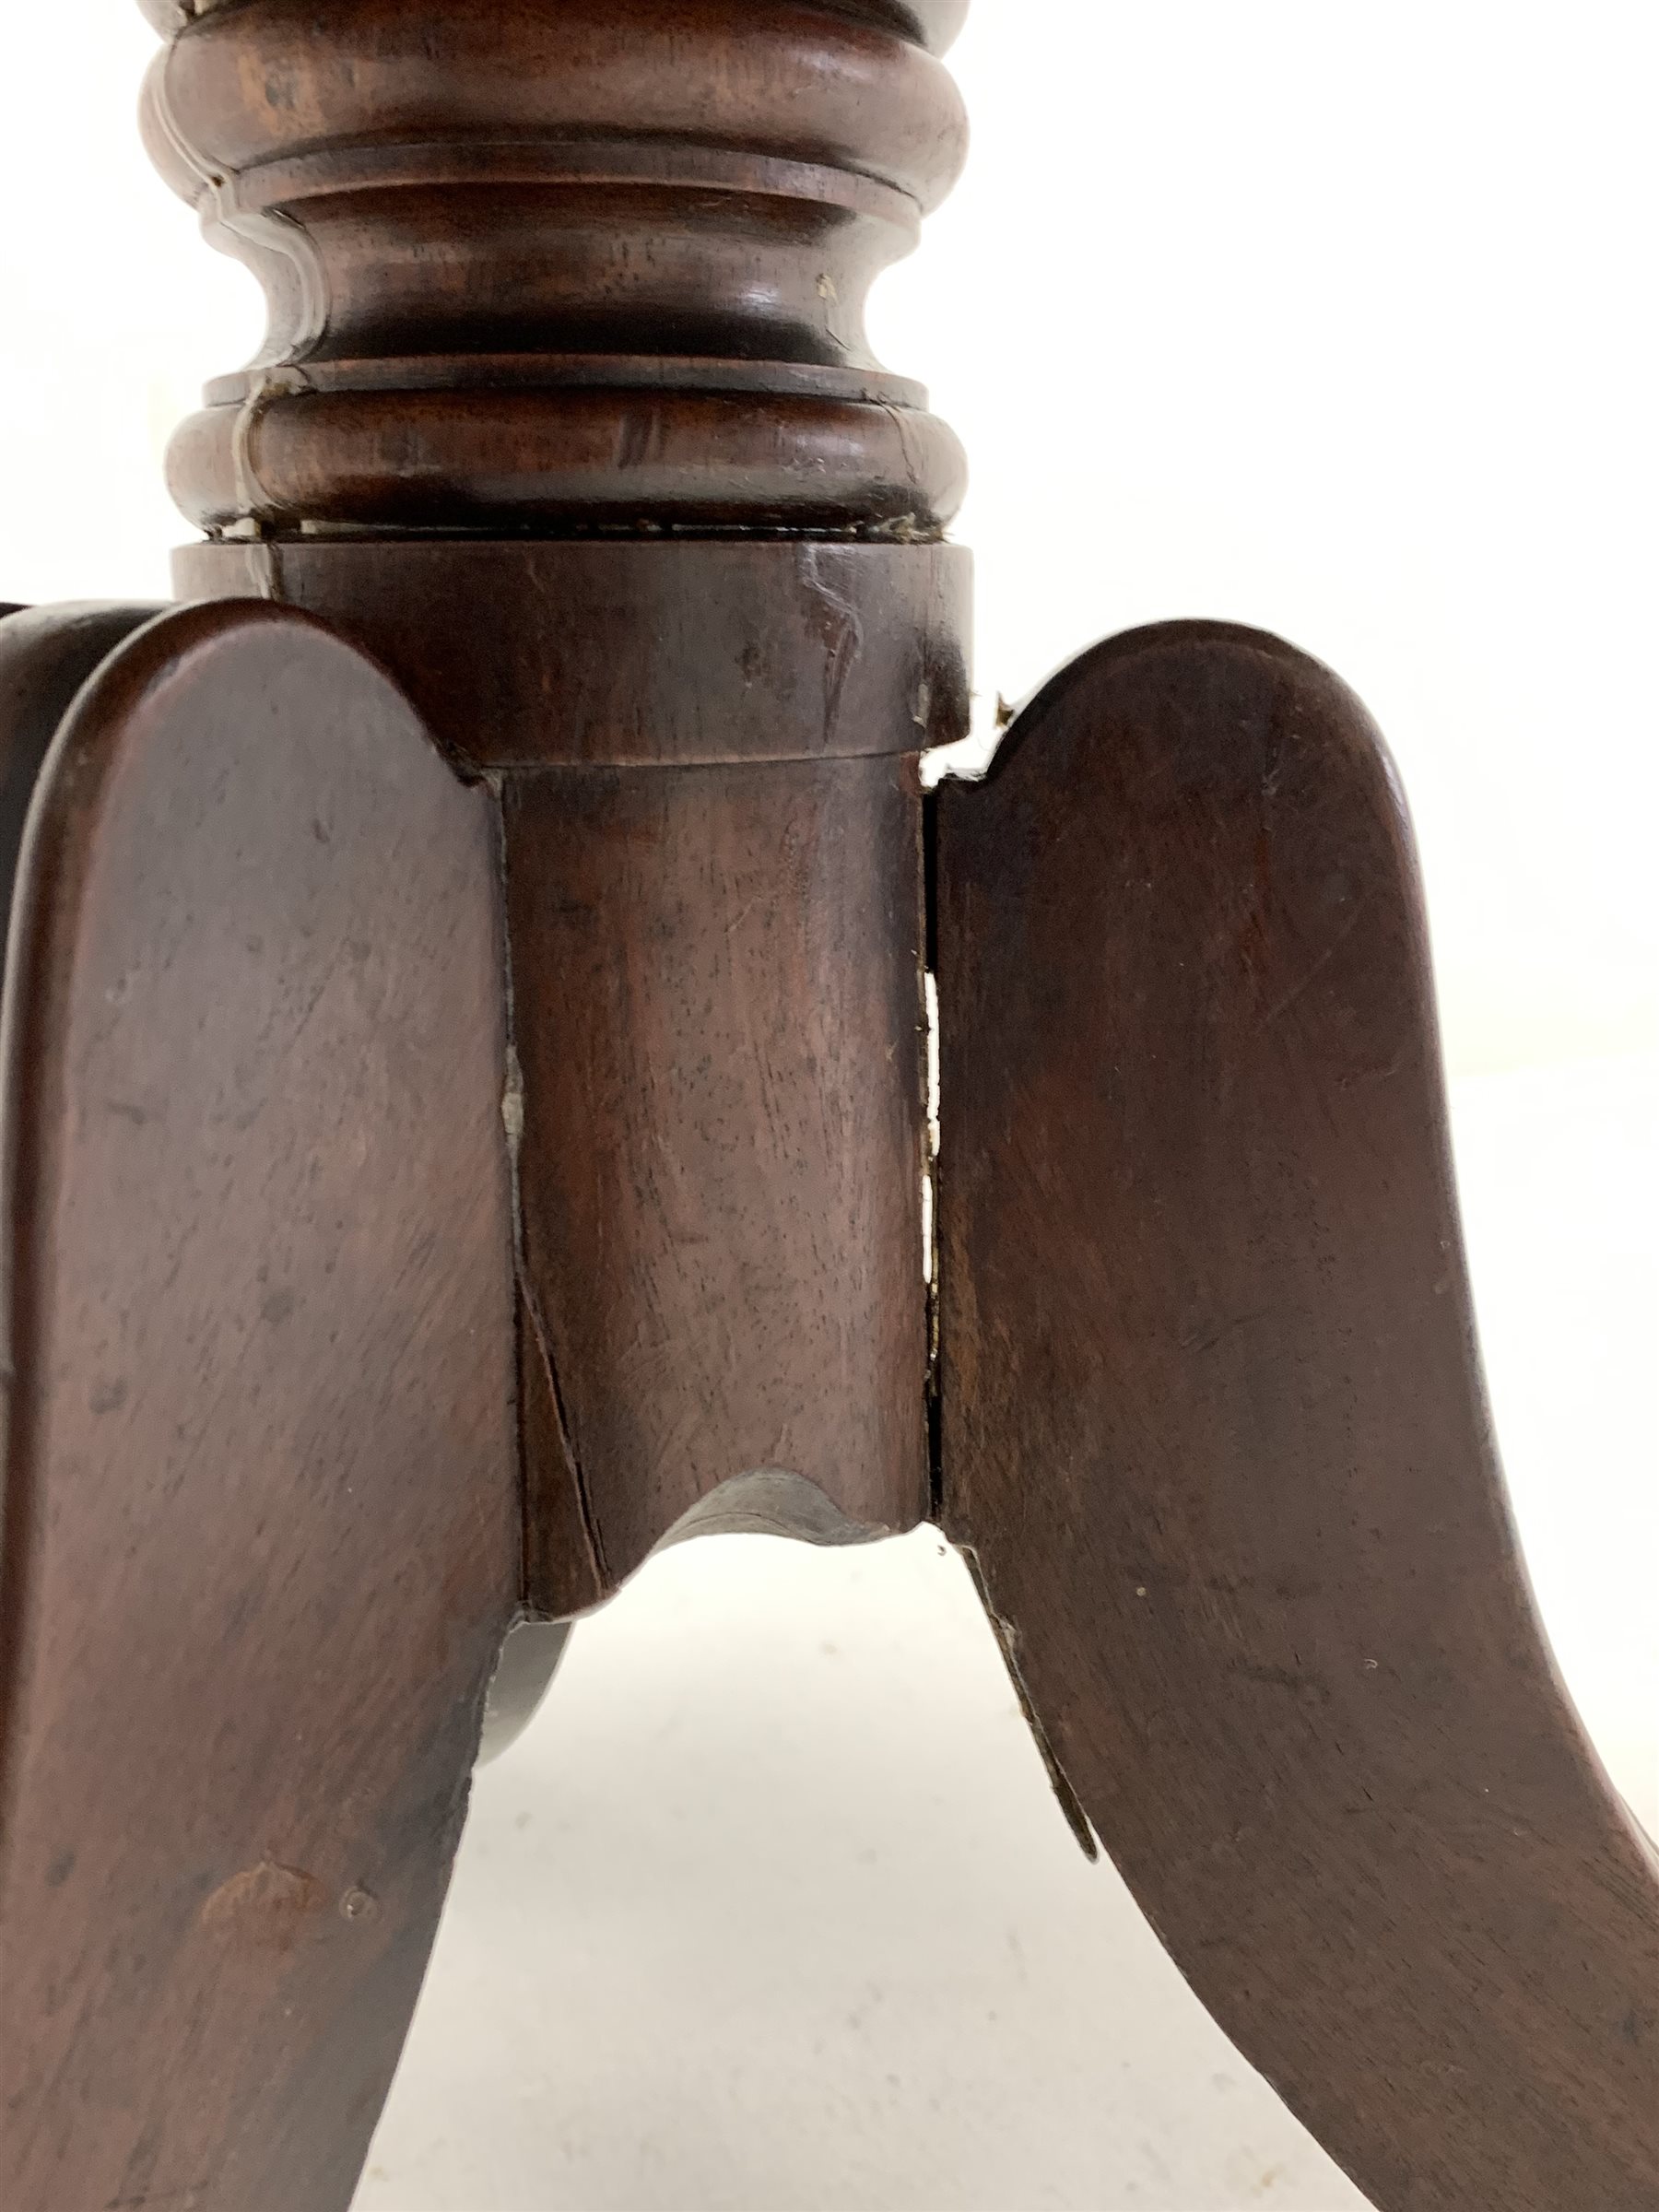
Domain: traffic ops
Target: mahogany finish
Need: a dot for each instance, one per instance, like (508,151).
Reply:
(46,655)
(617,652)
(719,1013)
(464,1120)
(260,1536)
(563,261)
(633,303)
(1204,1296)
(712,841)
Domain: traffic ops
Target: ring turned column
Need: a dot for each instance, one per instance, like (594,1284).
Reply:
(566,413)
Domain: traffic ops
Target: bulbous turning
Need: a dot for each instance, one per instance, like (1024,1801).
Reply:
(561,263)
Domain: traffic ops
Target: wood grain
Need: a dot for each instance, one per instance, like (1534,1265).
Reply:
(531,653)
(46,653)
(706,759)
(567,262)
(1215,1433)
(566,414)
(262,1529)
(718,1010)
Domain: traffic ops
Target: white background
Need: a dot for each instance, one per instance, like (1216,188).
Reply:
(1335,320)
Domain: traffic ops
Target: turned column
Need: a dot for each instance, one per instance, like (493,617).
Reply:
(566,414)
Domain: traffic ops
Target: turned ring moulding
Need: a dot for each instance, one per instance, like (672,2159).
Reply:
(561,267)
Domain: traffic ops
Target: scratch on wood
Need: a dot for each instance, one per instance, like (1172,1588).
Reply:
(843,638)
(590,1526)
(1070,1803)
(268,1900)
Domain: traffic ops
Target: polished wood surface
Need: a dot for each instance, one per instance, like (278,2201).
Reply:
(1216,1437)
(568,263)
(526,653)
(46,653)
(261,1512)
(525,269)
(719,1014)
(705,758)
(464,1119)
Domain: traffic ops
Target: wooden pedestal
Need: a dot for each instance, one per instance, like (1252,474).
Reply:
(463,1076)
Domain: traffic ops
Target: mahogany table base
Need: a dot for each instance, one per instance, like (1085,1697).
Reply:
(462,1064)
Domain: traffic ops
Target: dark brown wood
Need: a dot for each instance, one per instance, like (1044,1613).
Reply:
(389,1102)
(602,271)
(1215,1433)
(46,653)
(713,848)
(531,653)
(719,1014)
(262,1527)
(564,261)
(523,269)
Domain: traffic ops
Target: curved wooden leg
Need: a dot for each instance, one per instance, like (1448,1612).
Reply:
(261,1534)
(1214,1427)
(46,655)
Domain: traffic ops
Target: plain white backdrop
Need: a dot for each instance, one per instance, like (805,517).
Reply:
(1336,321)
